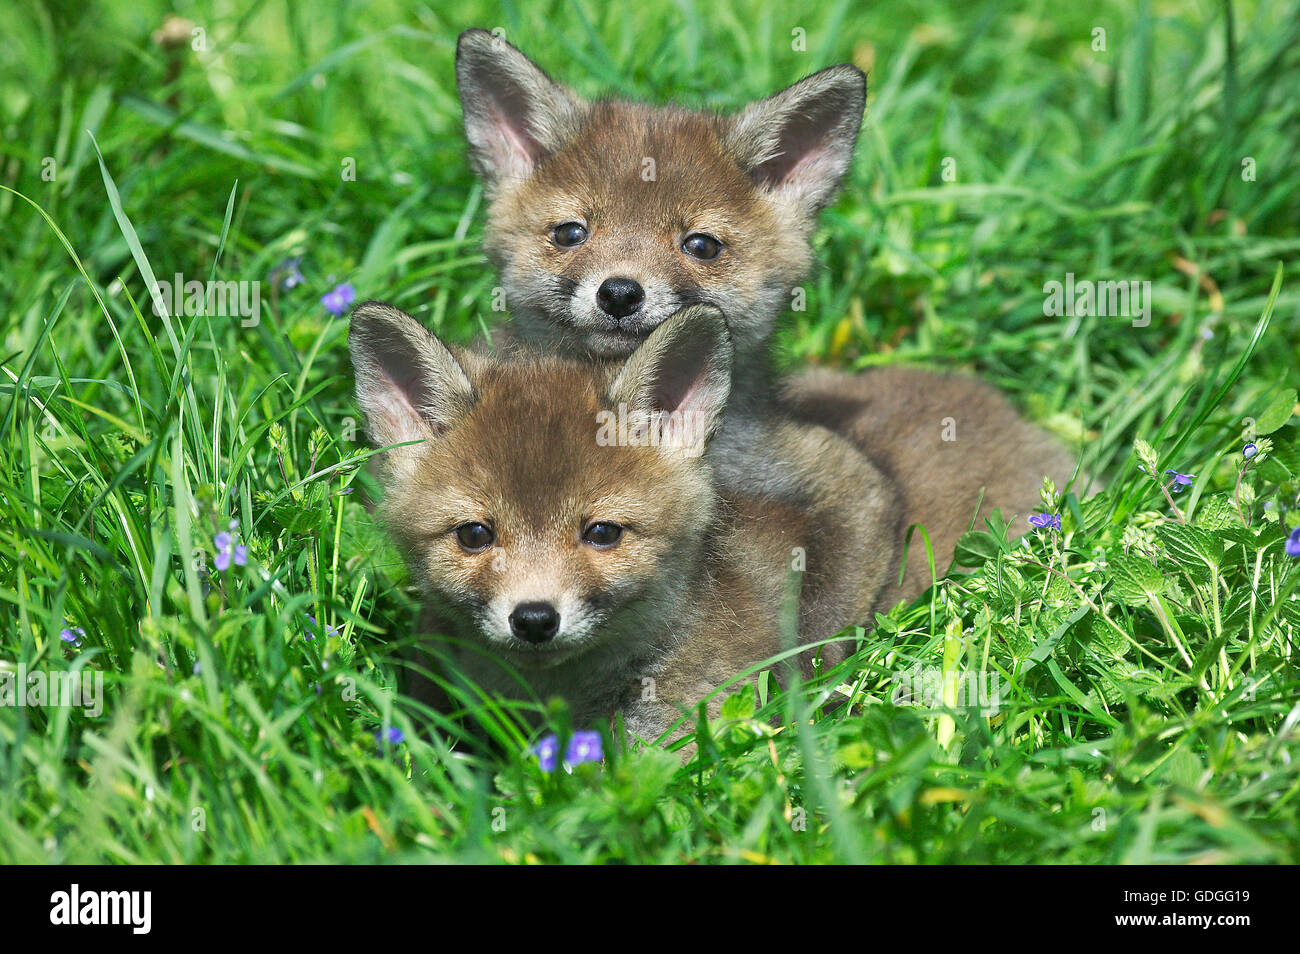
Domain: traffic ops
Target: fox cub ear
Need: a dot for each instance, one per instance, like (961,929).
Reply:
(799,142)
(514,113)
(681,376)
(410,387)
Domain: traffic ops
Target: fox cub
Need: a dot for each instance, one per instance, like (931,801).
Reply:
(594,561)
(607,217)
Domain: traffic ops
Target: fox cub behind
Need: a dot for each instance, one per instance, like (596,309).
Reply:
(607,217)
(589,561)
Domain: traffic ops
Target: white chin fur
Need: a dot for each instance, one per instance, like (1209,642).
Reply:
(611,344)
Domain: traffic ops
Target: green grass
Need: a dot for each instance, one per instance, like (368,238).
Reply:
(1148,667)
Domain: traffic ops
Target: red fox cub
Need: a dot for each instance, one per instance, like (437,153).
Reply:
(561,516)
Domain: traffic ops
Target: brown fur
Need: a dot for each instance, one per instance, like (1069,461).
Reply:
(898,418)
(640,179)
(832,473)
(637,226)
(695,591)
(862,458)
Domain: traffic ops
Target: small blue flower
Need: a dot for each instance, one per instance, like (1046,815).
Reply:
(1293,543)
(393,735)
(73,635)
(198,668)
(1249,451)
(1045,521)
(584,747)
(288,274)
(339,298)
(1180,480)
(547,751)
(329,630)
(228,551)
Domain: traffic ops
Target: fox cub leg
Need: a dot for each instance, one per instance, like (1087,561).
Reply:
(836,511)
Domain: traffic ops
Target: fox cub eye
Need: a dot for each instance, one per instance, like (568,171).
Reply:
(569,234)
(602,534)
(475,537)
(699,245)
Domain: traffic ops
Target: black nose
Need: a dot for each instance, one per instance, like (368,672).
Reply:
(535,622)
(619,297)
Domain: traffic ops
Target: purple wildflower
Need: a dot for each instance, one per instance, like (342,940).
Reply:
(339,298)
(1249,451)
(288,274)
(547,751)
(1045,521)
(73,635)
(392,735)
(329,630)
(1180,480)
(584,747)
(228,551)
(1293,543)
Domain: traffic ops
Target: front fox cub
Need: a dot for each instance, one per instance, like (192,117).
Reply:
(607,217)
(590,566)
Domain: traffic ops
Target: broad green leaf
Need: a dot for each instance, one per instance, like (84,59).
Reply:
(1216,512)
(976,548)
(1285,449)
(1136,580)
(738,705)
(1275,470)
(1191,545)
(1277,412)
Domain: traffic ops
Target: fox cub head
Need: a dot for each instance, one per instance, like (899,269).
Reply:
(529,507)
(607,217)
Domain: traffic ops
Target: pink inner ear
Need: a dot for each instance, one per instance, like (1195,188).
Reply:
(688,398)
(511,149)
(402,418)
(809,165)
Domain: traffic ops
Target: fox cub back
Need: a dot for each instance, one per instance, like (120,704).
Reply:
(561,516)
